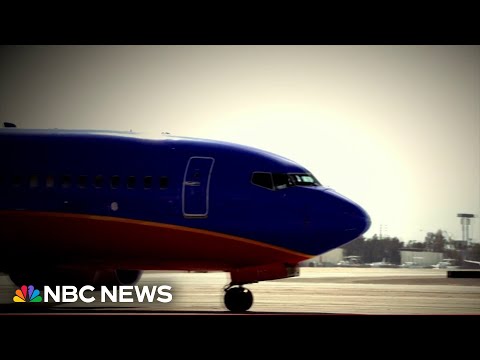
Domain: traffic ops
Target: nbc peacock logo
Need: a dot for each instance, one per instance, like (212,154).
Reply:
(27,294)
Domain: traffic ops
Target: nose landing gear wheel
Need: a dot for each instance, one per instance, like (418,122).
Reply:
(238,299)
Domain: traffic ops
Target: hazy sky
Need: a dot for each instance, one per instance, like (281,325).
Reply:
(395,128)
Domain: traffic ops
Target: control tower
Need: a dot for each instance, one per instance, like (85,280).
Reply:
(465,220)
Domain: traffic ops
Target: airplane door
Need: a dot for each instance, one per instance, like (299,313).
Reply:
(196,184)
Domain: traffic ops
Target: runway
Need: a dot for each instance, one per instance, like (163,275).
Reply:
(382,291)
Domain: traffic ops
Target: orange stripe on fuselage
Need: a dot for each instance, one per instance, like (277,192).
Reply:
(87,240)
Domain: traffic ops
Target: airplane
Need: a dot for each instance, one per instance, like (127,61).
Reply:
(100,207)
(382,264)
(351,261)
(446,264)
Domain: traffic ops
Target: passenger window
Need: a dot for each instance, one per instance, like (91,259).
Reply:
(131,182)
(82,181)
(263,179)
(115,182)
(98,181)
(147,182)
(33,181)
(163,182)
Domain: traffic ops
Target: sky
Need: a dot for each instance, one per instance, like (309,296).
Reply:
(394,128)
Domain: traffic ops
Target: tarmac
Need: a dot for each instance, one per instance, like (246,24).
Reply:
(321,290)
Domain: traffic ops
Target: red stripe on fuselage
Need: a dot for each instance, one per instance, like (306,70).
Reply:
(102,241)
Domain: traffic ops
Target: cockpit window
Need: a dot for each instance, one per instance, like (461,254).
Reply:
(263,179)
(304,180)
(279,181)
(282,181)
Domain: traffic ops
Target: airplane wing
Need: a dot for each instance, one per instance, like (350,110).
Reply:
(473,262)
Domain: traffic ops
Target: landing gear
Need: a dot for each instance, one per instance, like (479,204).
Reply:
(238,299)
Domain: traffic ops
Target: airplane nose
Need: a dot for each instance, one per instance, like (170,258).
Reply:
(356,219)
(359,219)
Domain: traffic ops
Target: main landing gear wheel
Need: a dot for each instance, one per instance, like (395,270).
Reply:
(238,299)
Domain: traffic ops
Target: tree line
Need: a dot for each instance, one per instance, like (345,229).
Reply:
(375,249)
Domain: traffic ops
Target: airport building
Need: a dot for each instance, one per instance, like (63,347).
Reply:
(330,258)
(419,257)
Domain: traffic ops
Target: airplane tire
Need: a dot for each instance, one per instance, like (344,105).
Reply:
(110,278)
(238,299)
